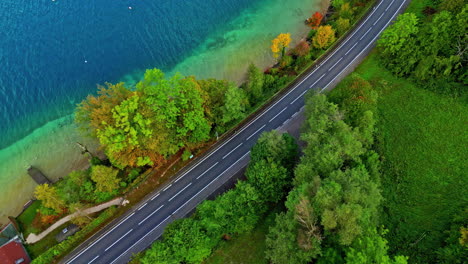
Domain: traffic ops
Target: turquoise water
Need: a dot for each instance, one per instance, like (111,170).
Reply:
(53,54)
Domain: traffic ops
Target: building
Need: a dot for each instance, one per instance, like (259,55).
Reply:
(12,250)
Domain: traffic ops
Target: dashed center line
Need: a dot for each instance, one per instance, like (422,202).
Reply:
(118,240)
(154,197)
(167,187)
(93,259)
(278,114)
(389,5)
(204,188)
(207,170)
(226,142)
(180,192)
(378,19)
(150,215)
(365,33)
(351,48)
(232,150)
(142,206)
(139,240)
(255,132)
(316,81)
(335,64)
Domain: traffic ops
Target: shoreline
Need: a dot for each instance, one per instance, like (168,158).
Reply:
(55,168)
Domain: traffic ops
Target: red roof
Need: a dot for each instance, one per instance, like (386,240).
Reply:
(12,252)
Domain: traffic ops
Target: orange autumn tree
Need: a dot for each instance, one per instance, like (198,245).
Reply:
(302,48)
(280,43)
(324,37)
(315,20)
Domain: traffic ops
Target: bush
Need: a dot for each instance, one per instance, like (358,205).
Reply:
(235,212)
(61,249)
(186,155)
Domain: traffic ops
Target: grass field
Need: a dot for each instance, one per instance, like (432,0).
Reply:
(248,248)
(422,140)
(26,218)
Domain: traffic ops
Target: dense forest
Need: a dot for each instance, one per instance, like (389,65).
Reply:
(352,196)
(381,176)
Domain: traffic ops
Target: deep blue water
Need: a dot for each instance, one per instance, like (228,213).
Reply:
(44,46)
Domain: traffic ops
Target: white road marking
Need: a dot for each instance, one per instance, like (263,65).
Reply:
(316,81)
(210,183)
(146,218)
(207,170)
(355,31)
(102,236)
(93,259)
(154,197)
(378,19)
(284,96)
(142,206)
(351,48)
(365,33)
(335,64)
(277,114)
(370,43)
(295,114)
(297,98)
(260,115)
(386,9)
(232,150)
(167,187)
(125,252)
(118,239)
(255,132)
(179,178)
(180,191)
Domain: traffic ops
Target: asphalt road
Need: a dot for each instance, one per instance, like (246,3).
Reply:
(145,223)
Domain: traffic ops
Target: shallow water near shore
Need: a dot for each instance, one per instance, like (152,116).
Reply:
(70,48)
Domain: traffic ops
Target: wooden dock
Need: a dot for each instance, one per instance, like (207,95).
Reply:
(38,176)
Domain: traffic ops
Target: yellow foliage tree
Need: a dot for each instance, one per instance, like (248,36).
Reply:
(280,43)
(342,24)
(324,37)
(49,197)
(105,178)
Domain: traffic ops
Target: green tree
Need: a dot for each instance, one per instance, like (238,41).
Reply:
(216,92)
(455,248)
(177,104)
(395,37)
(268,178)
(347,202)
(184,241)
(93,112)
(282,242)
(346,11)
(235,103)
(254,83)
(143,127)
(371,248)
(342,25)
(236,211)
(277,147)
(49,197)
(105,178)
(330,141)
(398,42)
(452,5)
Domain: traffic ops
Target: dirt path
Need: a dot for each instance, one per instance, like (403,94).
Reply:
(33,238)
